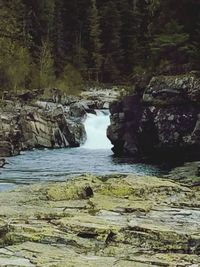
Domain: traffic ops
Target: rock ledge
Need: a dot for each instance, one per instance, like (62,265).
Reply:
(126,221)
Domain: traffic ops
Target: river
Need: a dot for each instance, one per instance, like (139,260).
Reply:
(95,156)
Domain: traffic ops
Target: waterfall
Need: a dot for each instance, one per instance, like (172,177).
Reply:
(96,126)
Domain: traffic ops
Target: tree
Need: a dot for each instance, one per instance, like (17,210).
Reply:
(46,70)
(95,42)
(134,35)
(70,82)
(171,42)
(114,38)
(195,48)
(15,59)
(59,49)
(14,64)
(111,49)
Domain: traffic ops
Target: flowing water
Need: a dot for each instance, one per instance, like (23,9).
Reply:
(96,126)
(95,156)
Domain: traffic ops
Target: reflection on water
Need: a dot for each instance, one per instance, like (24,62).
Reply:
(55,165)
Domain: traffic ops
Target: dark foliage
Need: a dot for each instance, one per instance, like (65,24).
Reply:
(106,41)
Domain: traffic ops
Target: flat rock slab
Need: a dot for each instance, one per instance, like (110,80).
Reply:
(130,220)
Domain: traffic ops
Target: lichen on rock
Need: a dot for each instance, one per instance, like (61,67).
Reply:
(123,220)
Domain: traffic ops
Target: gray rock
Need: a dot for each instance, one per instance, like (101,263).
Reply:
(100,98)
(170,90)
(40,126)
(78,110)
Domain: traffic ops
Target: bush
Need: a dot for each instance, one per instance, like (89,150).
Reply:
(14,65)
(71,81)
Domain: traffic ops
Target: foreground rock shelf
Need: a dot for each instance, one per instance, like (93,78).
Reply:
(101,221)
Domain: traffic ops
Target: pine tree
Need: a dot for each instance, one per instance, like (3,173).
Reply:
(59,49)
(117,38)
(171,38)
(95,42)
(134,34)
(112,52)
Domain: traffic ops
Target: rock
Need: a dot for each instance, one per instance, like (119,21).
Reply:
(5,149)
(120,221)
(125,116)
(73,189)
(169,90)
(100,98)
(87,192)
(56,95)
(78,110)
(188,174)
(43,125)
(163,124)
(2,162)
(15,261)
(30,95)
(70,99)
(73,132)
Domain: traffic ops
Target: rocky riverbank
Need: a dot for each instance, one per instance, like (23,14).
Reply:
(38,125)
(160,124)
(26,123)
(101,221)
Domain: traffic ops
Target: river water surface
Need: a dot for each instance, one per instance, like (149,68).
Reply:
(95,156)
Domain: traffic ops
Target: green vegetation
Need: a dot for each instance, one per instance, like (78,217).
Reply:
(49,43)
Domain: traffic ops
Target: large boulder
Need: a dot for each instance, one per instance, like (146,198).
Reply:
(164,124)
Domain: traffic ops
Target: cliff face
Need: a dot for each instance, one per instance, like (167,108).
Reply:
(163,124)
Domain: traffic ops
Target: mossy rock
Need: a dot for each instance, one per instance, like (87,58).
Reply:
(140,187)
(74,189)
(112,203)
(88,226)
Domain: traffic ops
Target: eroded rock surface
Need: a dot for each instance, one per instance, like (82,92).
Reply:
(126,221)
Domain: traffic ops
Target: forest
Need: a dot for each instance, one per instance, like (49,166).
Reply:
(46,43)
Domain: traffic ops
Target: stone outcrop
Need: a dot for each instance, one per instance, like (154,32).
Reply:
(123,221)
(99,98)
(41,125)
(163,124)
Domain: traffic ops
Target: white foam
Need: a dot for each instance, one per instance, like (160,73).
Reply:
(96,127)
